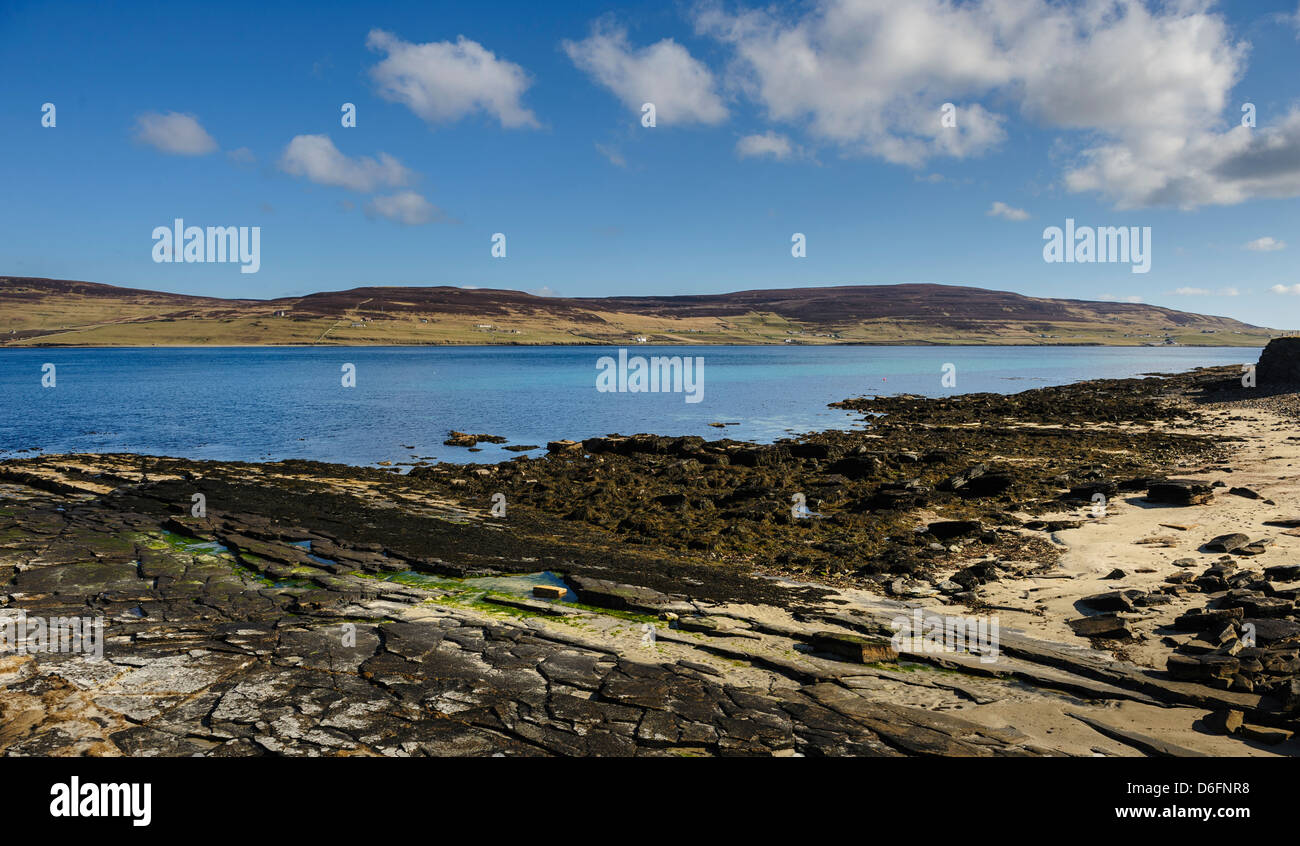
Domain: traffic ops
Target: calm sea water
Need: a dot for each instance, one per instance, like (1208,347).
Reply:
(257,404)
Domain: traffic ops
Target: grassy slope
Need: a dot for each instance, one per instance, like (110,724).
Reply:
(63,318)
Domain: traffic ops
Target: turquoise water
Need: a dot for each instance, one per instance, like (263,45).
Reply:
(270,403)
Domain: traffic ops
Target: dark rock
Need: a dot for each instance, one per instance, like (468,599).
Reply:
(1227,543)
(1104,626)
(959,480)
(1179,492)
(1085,492)
(607,594)
(947,529)
(1118,600)
(1202,668)
(1224,721)
(1283,573)
(1279,363)
(1198,619)
(858,467)
(1269,631)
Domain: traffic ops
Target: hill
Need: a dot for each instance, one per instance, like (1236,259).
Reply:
(54,312)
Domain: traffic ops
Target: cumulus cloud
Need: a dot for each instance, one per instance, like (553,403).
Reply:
(1144,91)
(682,89)
(443,81)
(316,158)
(772,144)
(1267,244)
(1286,289)
(405,207)
(1203,168)
(869,75)
(174,133)
(1001,209)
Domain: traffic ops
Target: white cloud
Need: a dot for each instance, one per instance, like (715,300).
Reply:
(405,207)
(1001,209)
(1285,289)
(316,158)
(772,144)
(443,82)
(1111,298)
(869,75)
(1267,244)
(174,133)
(1206,292)
(664,73)
(1202,168)
(1144,91)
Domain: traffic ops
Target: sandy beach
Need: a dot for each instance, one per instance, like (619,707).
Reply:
(659,596)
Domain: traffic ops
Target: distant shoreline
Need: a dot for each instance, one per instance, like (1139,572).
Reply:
(59,313)
(604,344)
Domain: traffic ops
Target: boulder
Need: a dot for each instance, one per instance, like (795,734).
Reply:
(1283,573)
(1180,492)
(1279,363)
(1227,543)
(946,529)
(1116,600)
(858,467)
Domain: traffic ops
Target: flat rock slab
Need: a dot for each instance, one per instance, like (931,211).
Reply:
(608,594)
(855,648)
(1145,743)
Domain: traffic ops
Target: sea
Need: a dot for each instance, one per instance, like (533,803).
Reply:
(366,405)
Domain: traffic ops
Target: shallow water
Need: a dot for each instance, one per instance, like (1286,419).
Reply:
(269,403)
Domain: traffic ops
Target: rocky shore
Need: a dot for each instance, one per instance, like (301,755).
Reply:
(1135,539)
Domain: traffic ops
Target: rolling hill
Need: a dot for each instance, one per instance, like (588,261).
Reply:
(54,312)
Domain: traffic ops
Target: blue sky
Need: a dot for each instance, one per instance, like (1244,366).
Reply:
(821,118)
